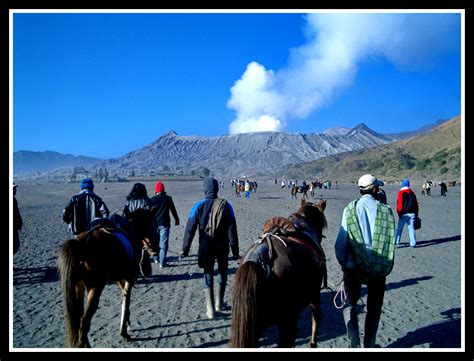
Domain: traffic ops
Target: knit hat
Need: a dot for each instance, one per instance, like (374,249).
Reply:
(87,183)
(405,183)
(368,181)
(159,187)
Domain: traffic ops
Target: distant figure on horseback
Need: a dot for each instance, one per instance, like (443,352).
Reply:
(303,189)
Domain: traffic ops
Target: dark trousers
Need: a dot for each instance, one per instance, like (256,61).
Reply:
(16,241)
(222,267)
(353,281)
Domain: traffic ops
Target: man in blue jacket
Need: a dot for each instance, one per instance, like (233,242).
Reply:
(217,236)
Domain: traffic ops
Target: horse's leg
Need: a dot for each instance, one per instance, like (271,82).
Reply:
(126,288)
(93,296)
(316,318)
(287,331)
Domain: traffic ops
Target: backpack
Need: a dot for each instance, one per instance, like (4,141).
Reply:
(215,217)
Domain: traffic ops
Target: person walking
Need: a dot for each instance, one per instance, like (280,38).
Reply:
(215,219)
(161,206)
(136,199)
(365,250)
(444,188)
(83,208)
(17,221)
(407,209)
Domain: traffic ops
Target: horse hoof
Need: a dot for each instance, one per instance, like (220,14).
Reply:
(126,338)
(313,345)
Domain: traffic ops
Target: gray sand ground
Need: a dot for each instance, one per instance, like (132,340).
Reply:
(422,307)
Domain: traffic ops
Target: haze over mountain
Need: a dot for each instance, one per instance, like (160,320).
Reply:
(432,155)
(25,161)
(260,154)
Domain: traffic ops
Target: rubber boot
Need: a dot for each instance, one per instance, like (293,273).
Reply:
(209,293)
(371,327)
(352,325)
(220,304)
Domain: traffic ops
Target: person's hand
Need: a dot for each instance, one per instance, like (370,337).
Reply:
(235,257)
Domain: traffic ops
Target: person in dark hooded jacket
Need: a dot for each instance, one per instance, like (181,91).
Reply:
(213,245)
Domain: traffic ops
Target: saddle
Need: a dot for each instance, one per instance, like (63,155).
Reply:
(283,230)
(296,231)
(119,227)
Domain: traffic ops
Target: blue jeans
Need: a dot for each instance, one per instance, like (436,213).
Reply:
(408,218)
(162,238)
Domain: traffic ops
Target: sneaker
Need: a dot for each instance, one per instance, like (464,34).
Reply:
(154,259)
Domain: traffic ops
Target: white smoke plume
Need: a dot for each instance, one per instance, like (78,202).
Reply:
(319,70)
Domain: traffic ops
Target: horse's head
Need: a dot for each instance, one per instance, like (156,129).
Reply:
(314,214)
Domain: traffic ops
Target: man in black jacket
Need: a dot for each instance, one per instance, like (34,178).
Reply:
(83,208)
(216,239)
(161,206)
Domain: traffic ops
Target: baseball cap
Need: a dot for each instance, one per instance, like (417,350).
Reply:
(368,181)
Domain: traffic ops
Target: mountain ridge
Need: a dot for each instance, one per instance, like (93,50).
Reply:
(235,155)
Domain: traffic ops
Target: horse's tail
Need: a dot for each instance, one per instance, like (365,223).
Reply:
(245,324)
(73,288)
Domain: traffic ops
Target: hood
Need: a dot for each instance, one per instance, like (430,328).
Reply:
(210,187)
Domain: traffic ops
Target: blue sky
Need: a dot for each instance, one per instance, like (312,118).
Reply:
(105,84)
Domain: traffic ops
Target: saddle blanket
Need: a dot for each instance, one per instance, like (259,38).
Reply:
(126,243)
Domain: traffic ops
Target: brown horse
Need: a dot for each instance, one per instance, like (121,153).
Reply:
(95,258)
(280,275)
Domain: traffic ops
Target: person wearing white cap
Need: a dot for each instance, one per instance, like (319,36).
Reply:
(17,222)
(365,250)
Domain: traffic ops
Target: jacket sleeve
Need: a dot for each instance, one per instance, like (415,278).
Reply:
(341,245)
(173,212)
(126,210)
(67,212)
(104,210)
(415,202)
(191,226)
(232,231)
(400,203)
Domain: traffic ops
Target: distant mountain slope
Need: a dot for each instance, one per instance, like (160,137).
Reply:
(261,155)
(250,154)
(25,161)
(435,154)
